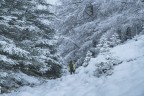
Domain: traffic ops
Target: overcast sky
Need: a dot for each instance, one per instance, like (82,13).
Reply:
(53,2)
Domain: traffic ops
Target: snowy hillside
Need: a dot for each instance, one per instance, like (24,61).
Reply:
(103,38)
(27,44)
(82,23)
(127,78)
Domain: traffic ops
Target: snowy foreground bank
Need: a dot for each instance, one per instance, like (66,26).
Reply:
(127,79)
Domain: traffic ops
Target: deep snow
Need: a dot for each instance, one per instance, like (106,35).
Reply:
(53,2)
(127,79)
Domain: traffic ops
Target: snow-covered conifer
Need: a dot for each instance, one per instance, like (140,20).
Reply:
(114,40)
(87,59)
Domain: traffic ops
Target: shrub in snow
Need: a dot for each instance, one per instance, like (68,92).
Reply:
(106,64)
(87,59)
(114,40)
(105,68)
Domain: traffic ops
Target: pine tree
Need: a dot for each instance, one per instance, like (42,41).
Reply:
(103,45)
(87,59)
(114,40)
(105,67)
(27,43)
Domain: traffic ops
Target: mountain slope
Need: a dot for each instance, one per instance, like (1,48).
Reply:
(82,23)
(127,78)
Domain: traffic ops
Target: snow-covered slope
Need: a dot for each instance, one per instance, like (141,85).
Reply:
(53,2)
(82,23)
(127,78)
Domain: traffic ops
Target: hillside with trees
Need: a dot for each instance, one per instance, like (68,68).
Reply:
(27,43)
(72,48)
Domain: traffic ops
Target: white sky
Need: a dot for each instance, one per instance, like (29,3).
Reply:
(53,2)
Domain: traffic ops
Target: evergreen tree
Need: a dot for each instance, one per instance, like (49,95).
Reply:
(105,67)
(27,43)
(103,45)
(87,59)
(114,40)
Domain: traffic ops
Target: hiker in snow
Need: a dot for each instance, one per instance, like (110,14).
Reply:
(71,67)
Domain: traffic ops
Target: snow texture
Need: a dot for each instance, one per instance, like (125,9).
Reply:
(127,80)
(53,2)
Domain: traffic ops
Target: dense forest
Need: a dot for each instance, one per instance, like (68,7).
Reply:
(27,43)
(102,37)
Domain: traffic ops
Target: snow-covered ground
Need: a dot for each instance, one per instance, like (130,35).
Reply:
(53,2)
(127,79)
